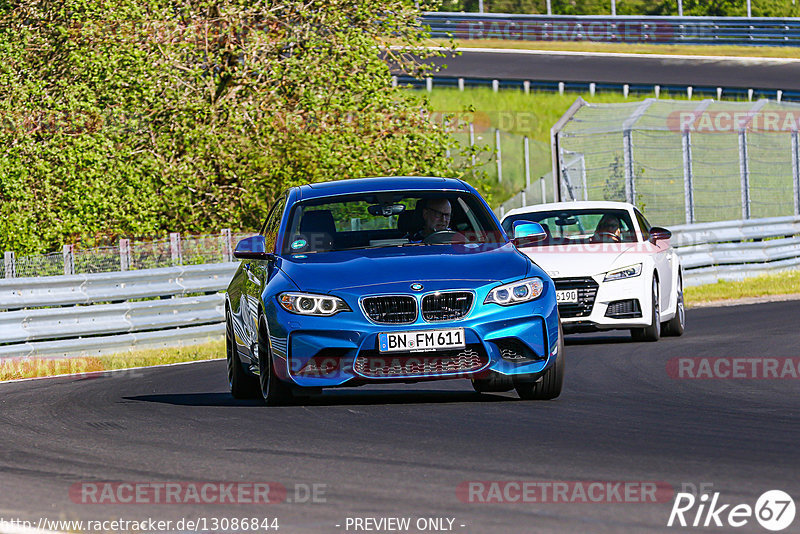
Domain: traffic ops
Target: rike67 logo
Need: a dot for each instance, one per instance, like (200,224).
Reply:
(774,510)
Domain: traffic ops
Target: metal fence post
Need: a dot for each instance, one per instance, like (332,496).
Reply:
(227,245)
(544,189)
(499,151)
(744,161)
(472,142)
(175,248)
(795,171)
(627,148)
(744,172)
(124,254)
(10,264)
(688,184)
(68,253)
(526,148)
(627,154)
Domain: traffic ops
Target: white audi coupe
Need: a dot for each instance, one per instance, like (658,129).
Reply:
(611,268)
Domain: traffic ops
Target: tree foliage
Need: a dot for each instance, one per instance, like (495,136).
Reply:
(143,116)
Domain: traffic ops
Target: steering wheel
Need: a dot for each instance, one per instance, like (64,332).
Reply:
(605,237)
(444,237)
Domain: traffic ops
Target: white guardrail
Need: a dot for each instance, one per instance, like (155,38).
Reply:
(103,313)
(94,314)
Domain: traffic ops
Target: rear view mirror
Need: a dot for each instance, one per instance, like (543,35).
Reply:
(386,210)
(657,233)
(251,248)
(527,233)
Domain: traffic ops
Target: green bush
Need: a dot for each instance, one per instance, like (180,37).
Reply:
(139,117)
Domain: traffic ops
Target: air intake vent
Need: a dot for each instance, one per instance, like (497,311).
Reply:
(375,365)
(624,309)
(395,309)
(446,306)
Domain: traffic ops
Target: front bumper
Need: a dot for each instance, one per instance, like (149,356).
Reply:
(610,305)
(343,350)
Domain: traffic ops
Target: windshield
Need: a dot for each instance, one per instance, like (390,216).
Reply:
(392,219)
(567,227)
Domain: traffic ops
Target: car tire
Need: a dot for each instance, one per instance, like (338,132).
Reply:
(652,332)
(549,385)
(243,385)
(274,391)
(495,383)
(676,325)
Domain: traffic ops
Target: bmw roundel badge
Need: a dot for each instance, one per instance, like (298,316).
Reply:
(416,286)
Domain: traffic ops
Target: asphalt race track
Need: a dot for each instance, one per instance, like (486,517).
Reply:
(402,451)
(624,68)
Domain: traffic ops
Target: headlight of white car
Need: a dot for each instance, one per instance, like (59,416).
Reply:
(515,292)
(626,272)
(311,304)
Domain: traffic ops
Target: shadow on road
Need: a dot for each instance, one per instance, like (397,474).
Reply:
(331,398)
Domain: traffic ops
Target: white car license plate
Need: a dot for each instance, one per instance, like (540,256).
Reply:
(567,296)
(421,340)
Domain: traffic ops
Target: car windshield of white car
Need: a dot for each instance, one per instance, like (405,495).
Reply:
(567,227)
(391,219)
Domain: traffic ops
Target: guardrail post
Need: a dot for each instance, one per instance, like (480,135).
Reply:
(10,264)
(68,253)
(526,86)
(744,172)
(175,248)
(227,245)
(499,150)
(461,84)
(795,172)
(124,254)
(429,84)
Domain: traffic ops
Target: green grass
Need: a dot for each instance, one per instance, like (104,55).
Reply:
(631,48)
(16,368)
(784,283)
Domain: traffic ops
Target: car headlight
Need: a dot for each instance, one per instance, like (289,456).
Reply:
(626,272)
(311,304)
(515,292)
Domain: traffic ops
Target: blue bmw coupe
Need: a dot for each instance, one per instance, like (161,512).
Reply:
(380,280)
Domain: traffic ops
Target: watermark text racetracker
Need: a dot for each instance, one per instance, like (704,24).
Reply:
(733,367)
(195,492)
(563,492)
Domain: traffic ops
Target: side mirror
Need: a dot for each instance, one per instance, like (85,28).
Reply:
(252,248)
(527,233)
(657,233)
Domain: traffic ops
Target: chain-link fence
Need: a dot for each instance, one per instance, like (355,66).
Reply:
(126,255)
(683,161)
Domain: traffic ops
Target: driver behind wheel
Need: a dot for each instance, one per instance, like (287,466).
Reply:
(436,215)
(608,230)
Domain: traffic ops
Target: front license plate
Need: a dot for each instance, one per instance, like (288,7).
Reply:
(421,340)
(567,296)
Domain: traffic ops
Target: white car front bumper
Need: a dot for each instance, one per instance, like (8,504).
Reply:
(594,314)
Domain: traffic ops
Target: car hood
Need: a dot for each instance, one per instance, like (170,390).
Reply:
(572,261)
(393,268)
